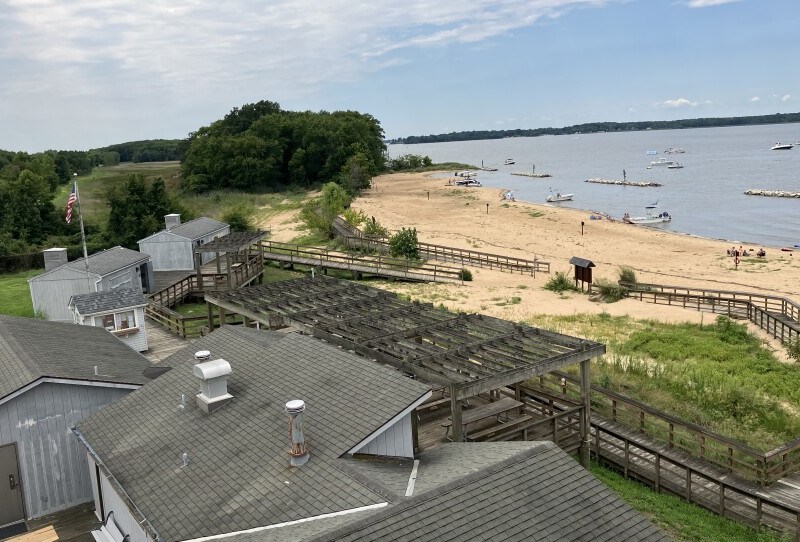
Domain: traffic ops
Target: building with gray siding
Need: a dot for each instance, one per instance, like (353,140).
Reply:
(172,249)
(120,312)
(52,376)
(108,270)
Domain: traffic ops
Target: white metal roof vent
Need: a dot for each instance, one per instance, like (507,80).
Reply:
(214,384)
(172,220)
(202,355)
(298,455)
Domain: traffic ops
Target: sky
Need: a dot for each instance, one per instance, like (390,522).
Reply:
(81,74)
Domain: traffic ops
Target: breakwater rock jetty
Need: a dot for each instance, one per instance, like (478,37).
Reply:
(772,193)
(529,174)
(622,183)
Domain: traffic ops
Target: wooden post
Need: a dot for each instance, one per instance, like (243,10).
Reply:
(228,267)
(210,316)
(585,414)
(198,263)
(221,316)
(455,412)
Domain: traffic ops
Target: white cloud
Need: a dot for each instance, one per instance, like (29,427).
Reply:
(755,99)
(786,97)
(679,102)
(707,3)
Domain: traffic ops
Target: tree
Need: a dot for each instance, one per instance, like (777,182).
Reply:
(405,244)
(136,210)
(318,214)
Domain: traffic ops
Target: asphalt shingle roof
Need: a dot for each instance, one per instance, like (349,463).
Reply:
(98,302)
(105,262)
(510,491)
(31,349)
(197,228)
(238,475)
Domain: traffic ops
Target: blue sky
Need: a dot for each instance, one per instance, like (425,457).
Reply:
(78,74)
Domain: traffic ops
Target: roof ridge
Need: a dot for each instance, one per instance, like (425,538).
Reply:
(536,448)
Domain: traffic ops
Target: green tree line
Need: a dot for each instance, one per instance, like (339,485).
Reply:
(595,127)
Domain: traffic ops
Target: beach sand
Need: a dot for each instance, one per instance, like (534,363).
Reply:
(457,217)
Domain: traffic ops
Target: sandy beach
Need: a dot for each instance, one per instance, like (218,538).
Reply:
(457,217)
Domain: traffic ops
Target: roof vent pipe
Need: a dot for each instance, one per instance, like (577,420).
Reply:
(185,458)
(298,455)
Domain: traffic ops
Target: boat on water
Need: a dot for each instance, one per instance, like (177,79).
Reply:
(652,216)
(464,182)
(661,161)
(558,196)
(509,162)
(676,165)
(782,146)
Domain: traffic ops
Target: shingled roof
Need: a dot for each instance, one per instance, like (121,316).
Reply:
(99,302)
(104,262)
(510,491)
(194,229)
(33,349)
(238,475)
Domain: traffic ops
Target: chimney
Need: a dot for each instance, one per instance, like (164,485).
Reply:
(54,257)
(172,220)
(298,455)
(214,388)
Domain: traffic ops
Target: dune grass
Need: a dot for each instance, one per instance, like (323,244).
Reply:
(716,375)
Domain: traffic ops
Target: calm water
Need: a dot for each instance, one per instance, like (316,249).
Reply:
(705,198)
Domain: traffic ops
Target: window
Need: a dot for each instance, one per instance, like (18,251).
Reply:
(116,321)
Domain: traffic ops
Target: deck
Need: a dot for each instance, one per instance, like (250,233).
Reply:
(71,525)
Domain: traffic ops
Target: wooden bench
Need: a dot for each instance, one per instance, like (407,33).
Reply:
(503,406)
(109,531)
(45,534)
(499,432)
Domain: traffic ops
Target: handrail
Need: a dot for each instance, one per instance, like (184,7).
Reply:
(411,269)
(719,450)
(454,254)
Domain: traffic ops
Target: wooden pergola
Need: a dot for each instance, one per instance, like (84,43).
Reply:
(468,354)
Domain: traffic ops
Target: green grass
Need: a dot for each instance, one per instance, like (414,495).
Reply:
(682,521)
(15,295)
(715,375)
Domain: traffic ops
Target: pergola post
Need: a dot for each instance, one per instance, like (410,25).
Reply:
(198,264)
(221,316)
(228,267)
(585,413)
(455,412)
(210,315)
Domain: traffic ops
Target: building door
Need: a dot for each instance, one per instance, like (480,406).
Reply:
(11,509)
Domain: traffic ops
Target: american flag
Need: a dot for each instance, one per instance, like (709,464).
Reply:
(73,197)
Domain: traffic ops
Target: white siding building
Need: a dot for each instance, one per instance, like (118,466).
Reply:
(108,270)
(172,249)
(120,312)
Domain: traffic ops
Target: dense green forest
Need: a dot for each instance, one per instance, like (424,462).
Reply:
(257,147)
(595,127)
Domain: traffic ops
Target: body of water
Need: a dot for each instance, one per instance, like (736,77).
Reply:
(705,198)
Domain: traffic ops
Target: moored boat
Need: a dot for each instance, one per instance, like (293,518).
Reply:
(782,146)
(651,216)
(558,196)
(662,162)
(509,162)
(676,165)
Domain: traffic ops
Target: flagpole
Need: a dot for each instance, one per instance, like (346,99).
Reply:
(83,233)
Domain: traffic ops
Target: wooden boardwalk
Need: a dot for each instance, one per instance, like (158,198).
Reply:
(71,525)
(161,342)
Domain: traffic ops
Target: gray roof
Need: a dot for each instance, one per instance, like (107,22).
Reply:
(104,262)
(580,262)
(195,229)
(238,475)
(101,302)
(32,349)
(511,491)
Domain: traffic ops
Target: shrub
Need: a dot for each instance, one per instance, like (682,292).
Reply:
(373,228)
(465,274)
(559,282)
(405,244)
(610,291)
(627,274)
(793,349)
(239,217)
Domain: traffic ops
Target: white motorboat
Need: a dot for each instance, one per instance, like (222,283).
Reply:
(652,216)
(782,146)
(509,162)
(558,196)
(676,165)
(662,162)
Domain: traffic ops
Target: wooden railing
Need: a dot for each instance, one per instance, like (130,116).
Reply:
(778,316)
(378,265)
(722,452)
(457,255)
(186,326)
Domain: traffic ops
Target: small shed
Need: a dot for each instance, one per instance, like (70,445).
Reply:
(53,375)
(108,270)
(583,271)
(120,312)
(172,249)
